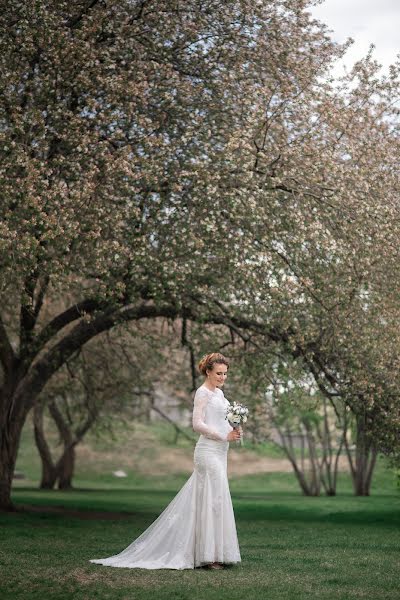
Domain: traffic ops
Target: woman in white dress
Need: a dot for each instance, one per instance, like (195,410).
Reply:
(198,527)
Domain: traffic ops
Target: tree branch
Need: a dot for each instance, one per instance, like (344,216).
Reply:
(27,313)
(178,430)
(73,21)
(55,357)
(7,356)
(70,315)
(40,297)
(46,365)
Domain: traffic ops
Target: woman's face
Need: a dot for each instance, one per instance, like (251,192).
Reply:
(217,375)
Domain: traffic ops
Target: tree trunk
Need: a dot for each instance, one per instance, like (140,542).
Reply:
(59,472)
(365,460)
(65,468)
(49,471)
(363,464)
(66,463)
(316,472)
(306,486)
(11,428)
(49,476)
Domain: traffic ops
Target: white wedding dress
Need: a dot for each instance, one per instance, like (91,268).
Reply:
(198,526)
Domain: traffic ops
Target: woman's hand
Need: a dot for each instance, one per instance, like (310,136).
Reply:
(233,435)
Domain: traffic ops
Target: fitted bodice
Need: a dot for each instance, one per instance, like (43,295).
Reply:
(209,414)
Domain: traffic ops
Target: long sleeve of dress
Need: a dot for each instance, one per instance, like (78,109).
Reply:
(199,425)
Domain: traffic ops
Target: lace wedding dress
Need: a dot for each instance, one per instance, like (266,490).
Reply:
(198,526)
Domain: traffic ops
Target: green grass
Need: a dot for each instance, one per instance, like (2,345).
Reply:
(292,547)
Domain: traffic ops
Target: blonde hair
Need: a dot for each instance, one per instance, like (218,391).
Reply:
(209,360)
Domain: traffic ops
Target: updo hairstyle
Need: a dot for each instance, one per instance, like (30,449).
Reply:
(209,360)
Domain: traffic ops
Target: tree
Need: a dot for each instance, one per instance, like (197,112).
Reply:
(130,127)
(309,431)
(116,127)
(100,381)
(112,379)
(322,244)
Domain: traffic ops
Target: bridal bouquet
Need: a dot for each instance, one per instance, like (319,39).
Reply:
(237,414)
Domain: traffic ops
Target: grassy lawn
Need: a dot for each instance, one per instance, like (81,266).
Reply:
(292,547)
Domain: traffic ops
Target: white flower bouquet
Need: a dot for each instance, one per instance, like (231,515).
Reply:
(237,414)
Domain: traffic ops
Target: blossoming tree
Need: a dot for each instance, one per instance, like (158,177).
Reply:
(185,160)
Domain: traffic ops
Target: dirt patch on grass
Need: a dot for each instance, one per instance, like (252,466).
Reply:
(147,457)
(88,576)
(247,463)
(84,577)
(240,462)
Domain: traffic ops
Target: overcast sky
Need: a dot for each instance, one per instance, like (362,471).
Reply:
(366,21)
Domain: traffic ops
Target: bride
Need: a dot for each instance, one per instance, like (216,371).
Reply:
(198,527)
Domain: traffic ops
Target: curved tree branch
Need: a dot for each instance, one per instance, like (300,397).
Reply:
(41,371)
(70,315)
